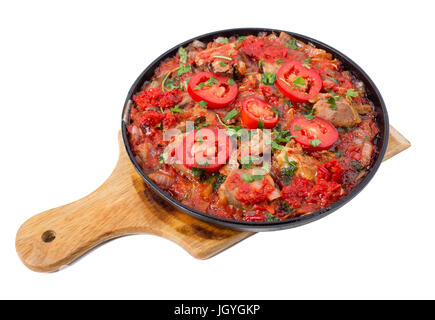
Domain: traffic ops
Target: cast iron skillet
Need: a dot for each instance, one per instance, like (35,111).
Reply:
(373,94)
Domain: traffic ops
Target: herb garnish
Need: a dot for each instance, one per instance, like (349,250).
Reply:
(183,54)
(332,103)
(252,177)
(268,78)
(357,165)
(315,142)
(177,109)
(270,217)
(260,124)
(224,40)
(223,57)
(197,172)
(299,82)
(276,111)
(351,94)
(231,114)
(248,161)
(291,44)
(203,104)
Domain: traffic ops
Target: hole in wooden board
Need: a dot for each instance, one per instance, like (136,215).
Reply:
(48,236)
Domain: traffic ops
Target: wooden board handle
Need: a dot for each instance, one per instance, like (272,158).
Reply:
(124,205)
(56,237)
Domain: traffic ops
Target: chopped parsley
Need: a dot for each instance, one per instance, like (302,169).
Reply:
(275,145)
(210,82)
(268,78)
(163,157)
(276,111)
(231,130)
(279,61)
(241,39)
(248,161)
(197,172)
(203,104)
(223,57)
(203,162)
(199,138)
(306,63)
(170,84)
(184,69)
(285,207)
(283,136)
(219,179)
(231,114)
(260,124)
(183,54)
(357,165)
(260,64)
(315,142)
(291,44)
(310,115)
(252,177)
(338,153)
(299,82)
(231,81)
(334,80)
(177,109)
(222,63)
(200,122)
(224,40)
(288,102)
(332,103)
(351,94)
(270,217)
(288,172)
(296,127)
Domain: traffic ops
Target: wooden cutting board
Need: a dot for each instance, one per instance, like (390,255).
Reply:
(124,205)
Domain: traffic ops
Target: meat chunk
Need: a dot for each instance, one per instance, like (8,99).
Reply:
(340,115)
(306,165)
(217,59)
(362,108)
(245,187)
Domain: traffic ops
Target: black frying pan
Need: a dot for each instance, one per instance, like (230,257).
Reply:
(373,94)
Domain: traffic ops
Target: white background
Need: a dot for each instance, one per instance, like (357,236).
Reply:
(65,70)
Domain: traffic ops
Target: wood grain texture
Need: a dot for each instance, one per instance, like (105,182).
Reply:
(124,205)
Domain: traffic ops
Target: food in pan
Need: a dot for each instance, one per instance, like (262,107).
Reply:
(253,128)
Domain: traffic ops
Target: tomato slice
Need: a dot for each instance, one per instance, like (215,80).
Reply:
(212,88)
(207,148)
(253,110)
(298,83)
(316,134)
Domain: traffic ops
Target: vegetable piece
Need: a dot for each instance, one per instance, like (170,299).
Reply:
(298,83)
(204,149)
(316,134)
(256,113)
(212,88)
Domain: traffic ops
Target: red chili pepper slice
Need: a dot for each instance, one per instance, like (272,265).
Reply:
(212,88)
(298,83)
